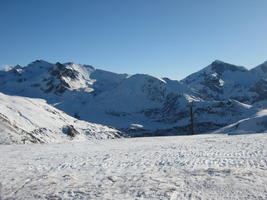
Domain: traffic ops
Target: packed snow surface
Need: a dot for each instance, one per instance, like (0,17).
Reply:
(179,167)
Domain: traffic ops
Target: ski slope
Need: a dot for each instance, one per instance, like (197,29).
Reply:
(179,167)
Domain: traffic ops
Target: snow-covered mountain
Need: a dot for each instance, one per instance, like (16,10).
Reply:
(142,104)
(24,120)
(221,81)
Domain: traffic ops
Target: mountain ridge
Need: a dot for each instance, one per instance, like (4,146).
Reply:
(142,104)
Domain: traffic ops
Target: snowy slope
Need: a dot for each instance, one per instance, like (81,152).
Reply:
(24,120)
(254,124)
(216,167)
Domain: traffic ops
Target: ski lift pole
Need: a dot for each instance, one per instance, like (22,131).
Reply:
(192,126)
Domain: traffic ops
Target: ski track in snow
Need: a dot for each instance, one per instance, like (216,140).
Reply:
(180,167)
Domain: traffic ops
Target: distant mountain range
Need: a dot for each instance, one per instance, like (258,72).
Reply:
(140,104)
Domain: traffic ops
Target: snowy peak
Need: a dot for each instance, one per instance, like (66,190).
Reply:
(218,68)
(221,67)
(45,77)
(221,81)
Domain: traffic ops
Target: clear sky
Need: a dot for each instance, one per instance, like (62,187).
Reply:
(167,38)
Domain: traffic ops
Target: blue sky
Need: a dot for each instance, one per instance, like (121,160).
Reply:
(168,38)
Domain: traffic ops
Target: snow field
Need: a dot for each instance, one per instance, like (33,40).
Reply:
(180,167)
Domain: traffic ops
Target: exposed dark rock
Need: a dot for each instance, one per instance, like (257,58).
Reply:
(70,131)
(212,83)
